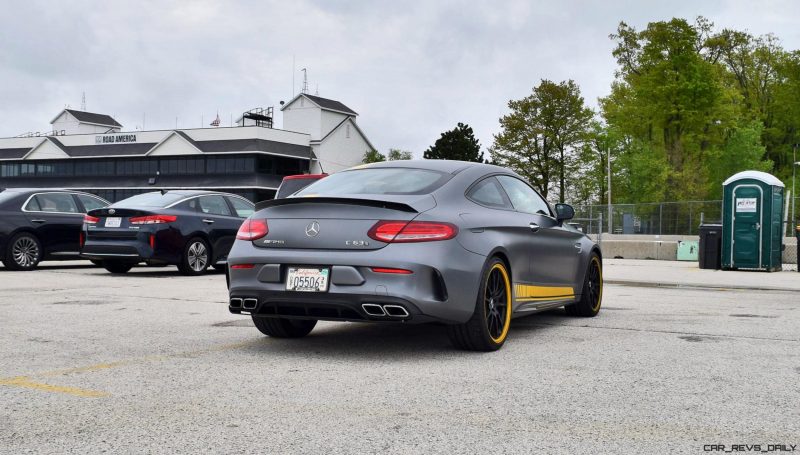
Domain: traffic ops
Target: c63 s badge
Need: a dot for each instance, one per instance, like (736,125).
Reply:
(356,243)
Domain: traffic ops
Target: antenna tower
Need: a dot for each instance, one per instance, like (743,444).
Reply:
(83,102)
(305,81)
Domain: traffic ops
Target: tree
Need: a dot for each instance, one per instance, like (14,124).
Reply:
(373,156)
(541,136)
(457,144)
(397,154)
(671,100)
(566,121)
(742,152)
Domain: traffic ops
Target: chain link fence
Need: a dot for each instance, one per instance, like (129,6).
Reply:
(658,218)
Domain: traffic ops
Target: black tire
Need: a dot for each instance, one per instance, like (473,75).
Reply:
(195,258)
(97,263)
(221,267)
(24,252)
(117,266)
(284,328)
(487,330)
(592,294)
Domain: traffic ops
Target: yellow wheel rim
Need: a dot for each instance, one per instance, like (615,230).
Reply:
(497,303)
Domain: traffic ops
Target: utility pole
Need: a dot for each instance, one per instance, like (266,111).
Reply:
(608,171)
(794,178)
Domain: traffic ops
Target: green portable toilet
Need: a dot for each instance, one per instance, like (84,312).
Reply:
(752,234)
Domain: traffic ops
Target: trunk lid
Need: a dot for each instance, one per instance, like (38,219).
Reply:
(117,219)
(326,223)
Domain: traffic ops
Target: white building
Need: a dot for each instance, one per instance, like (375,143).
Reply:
(91,152)
(70,121)
(336,140)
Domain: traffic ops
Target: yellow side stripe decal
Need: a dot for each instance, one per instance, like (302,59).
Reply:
(524,291)
(542,299)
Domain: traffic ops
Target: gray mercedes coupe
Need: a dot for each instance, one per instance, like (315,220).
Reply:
(467,245)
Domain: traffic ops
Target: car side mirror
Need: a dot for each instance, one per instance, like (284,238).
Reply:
(564,212)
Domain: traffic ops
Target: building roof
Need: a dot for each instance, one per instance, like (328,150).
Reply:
(91,117)
(339,125)
(218,146)
(324,103)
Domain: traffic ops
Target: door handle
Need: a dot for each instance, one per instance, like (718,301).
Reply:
(208,221)
(758,226)
(39,221)
(534,227)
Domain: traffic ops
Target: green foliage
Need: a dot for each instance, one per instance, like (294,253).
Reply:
(542,136)
(397,154)
(457,144)
(697,105)
(373,156)
(742,152)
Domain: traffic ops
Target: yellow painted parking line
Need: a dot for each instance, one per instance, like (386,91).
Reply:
(23,381)
(26,382)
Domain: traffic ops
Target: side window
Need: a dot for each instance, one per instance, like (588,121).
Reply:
(523,197)
(214,205)
(488,192)
(57,202)
(243,209)
(32,205)
(190,205)
(91,203)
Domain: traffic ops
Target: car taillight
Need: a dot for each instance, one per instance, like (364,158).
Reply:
(89,219)
(82,239)
(411,231)
(390,270)
(153,219)
(252,230)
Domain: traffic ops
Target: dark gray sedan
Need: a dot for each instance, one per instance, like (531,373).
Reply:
(467,245)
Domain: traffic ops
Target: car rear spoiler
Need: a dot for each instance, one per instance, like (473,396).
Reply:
(385,204)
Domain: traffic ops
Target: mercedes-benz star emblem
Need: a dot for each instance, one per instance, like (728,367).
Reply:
(312,229)
(111,211)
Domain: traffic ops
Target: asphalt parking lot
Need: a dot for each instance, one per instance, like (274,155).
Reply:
(153,362)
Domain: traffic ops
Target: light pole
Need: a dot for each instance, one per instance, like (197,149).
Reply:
(608,171)
(794,177)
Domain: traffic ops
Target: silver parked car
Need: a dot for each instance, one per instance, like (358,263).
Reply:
(464,244)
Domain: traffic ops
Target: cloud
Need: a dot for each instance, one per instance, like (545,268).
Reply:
(411,69)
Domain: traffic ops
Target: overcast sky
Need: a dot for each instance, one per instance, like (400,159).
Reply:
(410,69)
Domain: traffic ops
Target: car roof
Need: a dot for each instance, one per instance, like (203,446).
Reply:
(448,166)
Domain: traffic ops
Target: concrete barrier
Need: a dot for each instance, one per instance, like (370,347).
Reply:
(665,247)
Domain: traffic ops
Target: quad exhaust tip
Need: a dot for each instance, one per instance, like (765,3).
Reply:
(395,311)
(236,303)
(392,311)
(250,304)
(373,309)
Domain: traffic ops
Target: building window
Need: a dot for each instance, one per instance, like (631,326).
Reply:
(231,165)
(27,169)
(347,131)
(89,168)
(9,170)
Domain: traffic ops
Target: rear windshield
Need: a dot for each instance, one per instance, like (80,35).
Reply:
(292,186)
(155,199)
(377,181)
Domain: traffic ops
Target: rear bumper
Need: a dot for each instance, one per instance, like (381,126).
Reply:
(134,248)
(443,286)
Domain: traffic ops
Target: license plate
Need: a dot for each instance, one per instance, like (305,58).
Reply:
(113,222)
(307,279)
